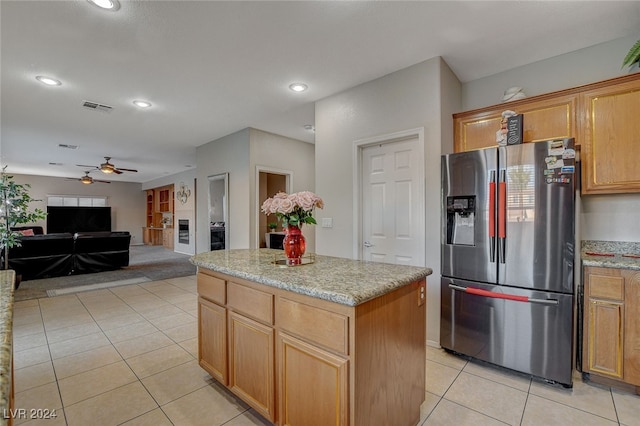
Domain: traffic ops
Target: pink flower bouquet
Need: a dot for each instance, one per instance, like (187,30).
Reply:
(293,209)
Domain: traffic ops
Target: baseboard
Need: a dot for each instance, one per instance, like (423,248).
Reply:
(89,287)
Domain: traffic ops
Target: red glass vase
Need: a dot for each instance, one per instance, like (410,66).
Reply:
(294,245)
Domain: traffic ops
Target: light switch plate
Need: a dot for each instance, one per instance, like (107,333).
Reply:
(327,222)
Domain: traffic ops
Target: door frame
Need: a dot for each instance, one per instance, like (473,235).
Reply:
(358,147)
(224,177)
(288,174)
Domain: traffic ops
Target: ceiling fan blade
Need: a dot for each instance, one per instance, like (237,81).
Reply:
(84,165)
(127,170)
(116,171)
(101,181)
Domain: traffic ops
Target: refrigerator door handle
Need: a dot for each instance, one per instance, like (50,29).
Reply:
(493,294)
(492,216)
(502,216)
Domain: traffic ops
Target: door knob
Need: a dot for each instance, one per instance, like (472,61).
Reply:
(367,244)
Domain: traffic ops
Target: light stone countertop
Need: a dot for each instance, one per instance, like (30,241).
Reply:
(344,281)
(623,254)
(6,340)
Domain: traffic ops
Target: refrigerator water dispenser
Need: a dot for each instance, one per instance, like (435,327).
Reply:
(461,212)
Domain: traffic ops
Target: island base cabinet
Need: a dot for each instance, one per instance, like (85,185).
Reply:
(303,361)
(212,337)
(314,385)
(251,363)
(390,358)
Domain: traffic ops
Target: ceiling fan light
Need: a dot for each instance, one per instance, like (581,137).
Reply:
(106,169)
(87,180)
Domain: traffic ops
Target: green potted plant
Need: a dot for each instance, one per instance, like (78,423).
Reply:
(272,226)
(633,56)
(14,210)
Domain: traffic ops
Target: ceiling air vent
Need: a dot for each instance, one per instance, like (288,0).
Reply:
(64,145)
(95,106)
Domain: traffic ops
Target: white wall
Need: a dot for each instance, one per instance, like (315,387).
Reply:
(407,99)
(238,154)
(229,154)
(282,153)
(584,66)
(603,217)
(127,200)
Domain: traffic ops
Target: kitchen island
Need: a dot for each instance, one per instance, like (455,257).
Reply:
(7,279)
(336,341)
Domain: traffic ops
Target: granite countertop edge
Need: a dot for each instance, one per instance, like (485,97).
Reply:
(6,340)
(616,261)
(621,250)
(345,296)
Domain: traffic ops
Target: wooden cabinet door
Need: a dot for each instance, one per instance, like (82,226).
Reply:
(610,136)
(251,363)
(604,321)
(632,327)
(605,337)
(551,117)
(313,387)
(212,339)
(167,238)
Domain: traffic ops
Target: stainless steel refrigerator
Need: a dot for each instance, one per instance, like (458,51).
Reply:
(507,248)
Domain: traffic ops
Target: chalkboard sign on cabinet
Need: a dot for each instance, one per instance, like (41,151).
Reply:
(514,130)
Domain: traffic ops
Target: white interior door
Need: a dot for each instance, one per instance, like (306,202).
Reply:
(393,202)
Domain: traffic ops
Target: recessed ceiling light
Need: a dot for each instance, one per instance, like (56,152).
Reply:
(142,104)
(111,5)
(298,87)
(48,80)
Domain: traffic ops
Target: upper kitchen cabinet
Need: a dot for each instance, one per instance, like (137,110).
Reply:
(610,135)
(550,116)
(602,117)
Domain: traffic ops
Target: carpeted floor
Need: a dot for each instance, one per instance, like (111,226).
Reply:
(146,263)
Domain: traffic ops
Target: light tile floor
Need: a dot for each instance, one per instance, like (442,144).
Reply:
(128,355)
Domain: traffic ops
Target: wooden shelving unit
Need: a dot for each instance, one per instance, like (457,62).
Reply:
(149,221)
(159,204)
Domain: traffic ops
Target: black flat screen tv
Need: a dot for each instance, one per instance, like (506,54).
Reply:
(78,219)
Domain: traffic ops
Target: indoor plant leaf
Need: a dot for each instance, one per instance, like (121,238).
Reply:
(633,56)
(14,205)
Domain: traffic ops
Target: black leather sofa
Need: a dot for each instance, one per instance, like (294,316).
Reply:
(54,255)
(100,251)
(41,256)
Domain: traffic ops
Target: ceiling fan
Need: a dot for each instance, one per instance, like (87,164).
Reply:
(88,180)
(108,167)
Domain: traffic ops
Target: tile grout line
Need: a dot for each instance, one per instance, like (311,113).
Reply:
(53,366)
(87,308)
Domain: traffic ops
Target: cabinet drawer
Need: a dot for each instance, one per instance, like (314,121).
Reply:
(326,328)
(253,303)
(606,287)
(212,288)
